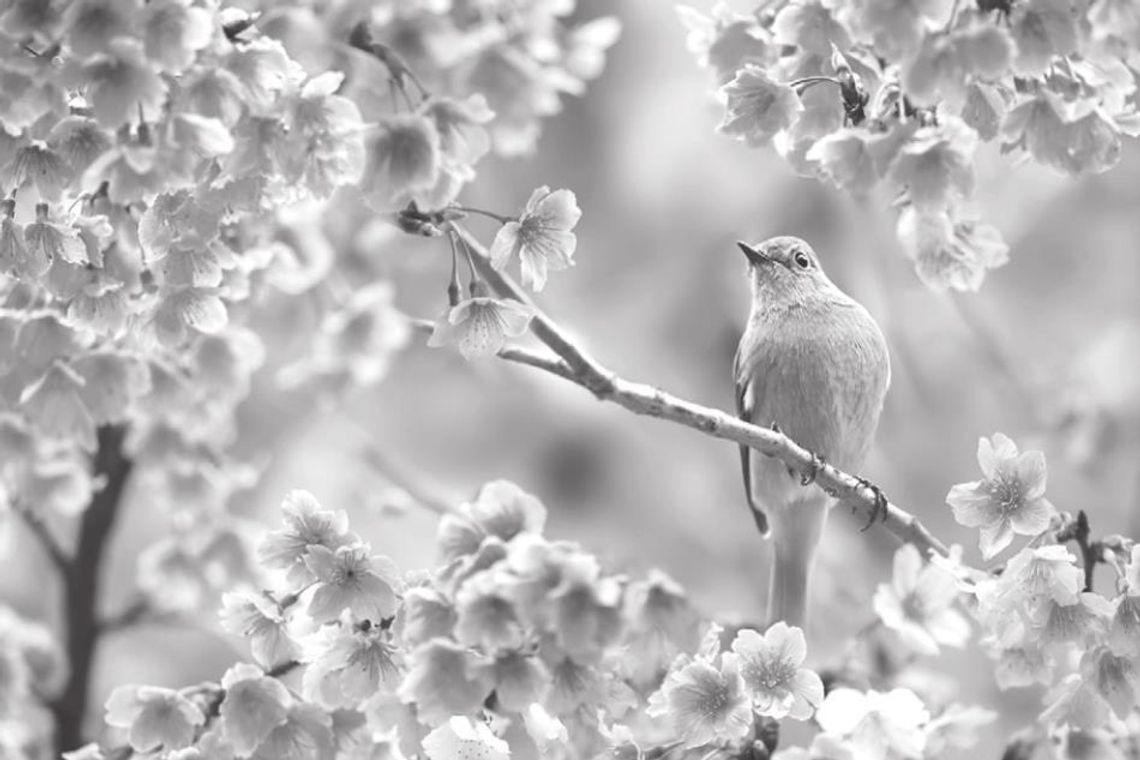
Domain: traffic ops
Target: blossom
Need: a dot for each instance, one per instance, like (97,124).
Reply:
(480,326)
(403,156)
(306,526)
(876,725)
(726,40)
(918,604)
(92,24)
(48,241)
(348,664)
(895,27)
(950,253)
(1078,621)
(845,158)
(946,64)
(520,680)
(256,618)
(541,238)
(1132,572)
(444,679)
(38,164)
(424,614)
(547,732)
(461,737)
(350,579)
(758,106)
(1042,573)
(122,85)
(305,733)
(1124,633)
(705,702)
(253,706)
(936,164)
(156,718)
(1008,500)
(463,140)
(500,509)
(586,608)
(811,26)
(1115,678)
(1041,30)
(486,614)
(1076,702)
(1071,136)
(173,32)
(185,308)
(957,727)
(772,672)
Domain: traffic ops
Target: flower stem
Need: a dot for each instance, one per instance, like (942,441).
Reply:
(489,214)
(453,283)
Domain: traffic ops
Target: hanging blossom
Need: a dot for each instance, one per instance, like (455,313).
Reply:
(1010,499)
(480,326)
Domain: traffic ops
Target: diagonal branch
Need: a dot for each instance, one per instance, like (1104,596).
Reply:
(47,539)
(647,400)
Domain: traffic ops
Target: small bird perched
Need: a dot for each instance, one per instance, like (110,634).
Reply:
(813,363)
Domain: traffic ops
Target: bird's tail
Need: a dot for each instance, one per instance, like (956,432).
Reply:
(797,529)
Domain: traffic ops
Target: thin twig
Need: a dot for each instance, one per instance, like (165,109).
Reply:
(47,539)
(409,482)
(653,402)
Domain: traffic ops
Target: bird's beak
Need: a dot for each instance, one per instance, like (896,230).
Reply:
(756,257)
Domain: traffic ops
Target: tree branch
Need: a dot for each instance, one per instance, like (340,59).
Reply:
(409,482)
(81,588)
(653,402)
(44,535)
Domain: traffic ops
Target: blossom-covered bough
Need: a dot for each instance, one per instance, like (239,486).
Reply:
(170,169)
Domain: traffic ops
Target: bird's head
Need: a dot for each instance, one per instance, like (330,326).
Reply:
(784,269)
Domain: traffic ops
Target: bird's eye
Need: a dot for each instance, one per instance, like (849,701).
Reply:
(801,260)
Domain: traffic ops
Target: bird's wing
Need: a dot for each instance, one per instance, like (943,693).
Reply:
(744,412)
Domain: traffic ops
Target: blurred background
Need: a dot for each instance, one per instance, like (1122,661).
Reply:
(1048,353)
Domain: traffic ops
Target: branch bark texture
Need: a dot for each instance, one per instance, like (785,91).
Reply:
(639,398)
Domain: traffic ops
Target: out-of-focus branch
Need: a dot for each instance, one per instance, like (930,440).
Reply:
(401,476)
(44,535)
(81,587)
(653,402)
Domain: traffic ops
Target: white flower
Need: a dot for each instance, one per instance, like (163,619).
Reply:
(1009,499)
(541,238)
(463,738)
(771,668)
(157,718)
(918,604)
(874,725)
(704,702)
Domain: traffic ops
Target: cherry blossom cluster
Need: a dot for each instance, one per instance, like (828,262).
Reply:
(1039,620)
(167,168)
(513,644)
(863,93)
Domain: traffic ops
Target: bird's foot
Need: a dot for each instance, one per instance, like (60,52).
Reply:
(879,511)
(807,477)
(775,427)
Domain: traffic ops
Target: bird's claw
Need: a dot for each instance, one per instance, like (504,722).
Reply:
(807,477)
(879,511)
(775,427)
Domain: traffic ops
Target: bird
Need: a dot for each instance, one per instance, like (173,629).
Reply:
(813,364)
